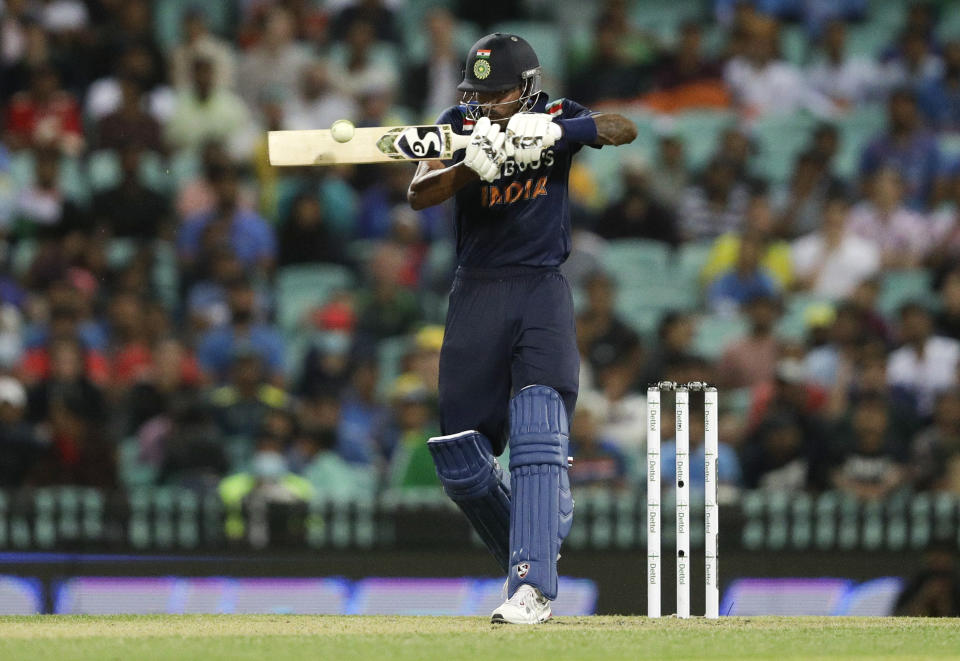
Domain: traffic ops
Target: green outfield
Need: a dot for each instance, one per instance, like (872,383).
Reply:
(289,637)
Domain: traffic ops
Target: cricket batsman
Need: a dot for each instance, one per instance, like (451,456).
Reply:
(509,366)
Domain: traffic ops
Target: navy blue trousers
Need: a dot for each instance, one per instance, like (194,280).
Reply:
(507,328)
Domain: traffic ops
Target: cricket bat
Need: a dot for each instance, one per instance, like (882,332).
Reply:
(368,145)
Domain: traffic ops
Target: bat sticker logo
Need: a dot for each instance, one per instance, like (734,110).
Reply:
(420,142)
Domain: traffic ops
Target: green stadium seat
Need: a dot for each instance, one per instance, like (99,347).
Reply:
(168,18)
(899,287)
(166,274)
(700,132)
(690,260)
(870,39)
(24,251)
(133,473)
(794,42)
(793,324)
(716,332)
(779,139)
(856,129)
(303,287)
(634,262)
(103,170)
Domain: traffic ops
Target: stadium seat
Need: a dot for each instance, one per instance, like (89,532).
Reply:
(899,287)
(132,471)
(794,42)
(390,355)
(856,129)
(302,287)
(168,19)
(634,262)
(779,138)
(700,130)
(690,260)
(715,332)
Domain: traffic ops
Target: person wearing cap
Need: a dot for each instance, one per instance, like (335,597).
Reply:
(509,364)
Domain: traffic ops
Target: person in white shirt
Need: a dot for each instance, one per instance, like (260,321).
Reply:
(762,85)
(926,364)
(846,79)
(831,261)
(276,61)
(317,104)
(905,237)
(198,41)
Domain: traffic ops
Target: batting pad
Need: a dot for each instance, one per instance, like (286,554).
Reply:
(542,505)
(475,481)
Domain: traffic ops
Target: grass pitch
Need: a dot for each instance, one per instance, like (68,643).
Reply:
(292,637)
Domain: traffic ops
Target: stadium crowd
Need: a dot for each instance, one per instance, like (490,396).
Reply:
(175,311)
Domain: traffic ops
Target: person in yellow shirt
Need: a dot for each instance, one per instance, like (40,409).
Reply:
(776,252)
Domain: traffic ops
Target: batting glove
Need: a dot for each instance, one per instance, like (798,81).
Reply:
(528,134)
(485,152)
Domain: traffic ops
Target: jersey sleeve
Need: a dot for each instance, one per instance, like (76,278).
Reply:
(454,117)
(567,109)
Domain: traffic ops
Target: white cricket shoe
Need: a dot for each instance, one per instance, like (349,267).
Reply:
(526,606)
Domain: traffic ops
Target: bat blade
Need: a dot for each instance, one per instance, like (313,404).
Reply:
(369,145)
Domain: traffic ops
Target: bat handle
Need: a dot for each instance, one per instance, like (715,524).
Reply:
(458,141)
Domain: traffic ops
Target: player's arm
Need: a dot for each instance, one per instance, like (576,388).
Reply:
(614,129)
(435,182)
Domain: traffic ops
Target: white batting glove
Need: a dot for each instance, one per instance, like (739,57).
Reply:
(485,152)
(528,134)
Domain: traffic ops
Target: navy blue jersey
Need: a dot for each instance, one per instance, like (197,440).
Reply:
(522,218)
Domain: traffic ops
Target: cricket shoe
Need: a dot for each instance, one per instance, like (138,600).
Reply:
(526,606)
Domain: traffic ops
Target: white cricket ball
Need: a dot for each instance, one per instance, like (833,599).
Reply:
(342,130)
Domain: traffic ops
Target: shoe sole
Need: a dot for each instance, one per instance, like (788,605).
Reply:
(499,619)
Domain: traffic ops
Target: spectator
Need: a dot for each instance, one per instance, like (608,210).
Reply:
(869,465)
(638,214)
(915,64)
(625,408)
(363,421)
(63,326)
(44,115)
(130,209)
(45,210)
(939,98)
(199,42)
(801,204)
(675,336)
(903,236)
(844,79)
(138,62)
(779,456)
(670,178)
(204,112)
(20,444)
(363,67)
(305,237)
(216,348)
(745,281)
(129,350)
(762,85)
(275,62)
(948,318)
(331,476)
(241,406)
(601,334)
(752,360)
(379,202)
(384,308)
(775,258)
(428,84)
(193,452)
(714,205)
(832,261)
(199,195)
(130,125)
(925,364)
(411,464)
(906,148)
(936,450)
(247,235)
(599,462)
(375,13)
(611,73)
(318,102)
(169,384)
